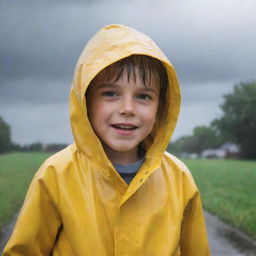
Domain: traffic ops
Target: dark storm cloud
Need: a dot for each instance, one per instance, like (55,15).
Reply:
(212,45)
(43,39)
(36,42)
(39,49)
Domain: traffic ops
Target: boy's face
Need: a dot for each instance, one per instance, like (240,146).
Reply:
(122,113)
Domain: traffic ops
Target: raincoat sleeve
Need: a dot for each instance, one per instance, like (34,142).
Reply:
(194,240)
(39,221)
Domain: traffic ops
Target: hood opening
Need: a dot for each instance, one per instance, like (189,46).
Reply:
(113,50)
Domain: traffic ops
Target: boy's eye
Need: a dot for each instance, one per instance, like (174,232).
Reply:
(110,94)
(144,97)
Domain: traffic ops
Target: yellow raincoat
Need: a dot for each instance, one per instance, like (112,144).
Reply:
(78,204)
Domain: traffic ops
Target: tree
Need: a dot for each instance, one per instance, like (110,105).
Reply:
(238,122)
(37,146)
(5,136)
(183,144)
(203,137)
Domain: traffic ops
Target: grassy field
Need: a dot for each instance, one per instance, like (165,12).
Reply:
(16,172)
(228,189)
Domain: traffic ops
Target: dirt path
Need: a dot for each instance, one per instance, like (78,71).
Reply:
(6,232)
(227,241)
(224,240)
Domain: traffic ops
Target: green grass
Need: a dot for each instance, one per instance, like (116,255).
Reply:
(16,172)
(228,190)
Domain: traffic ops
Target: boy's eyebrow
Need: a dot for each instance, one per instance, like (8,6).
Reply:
(106,85)
(149,89)
(114,85)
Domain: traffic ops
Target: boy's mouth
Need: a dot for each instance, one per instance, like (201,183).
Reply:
(124,126)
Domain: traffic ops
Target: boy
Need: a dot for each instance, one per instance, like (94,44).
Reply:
(115,191)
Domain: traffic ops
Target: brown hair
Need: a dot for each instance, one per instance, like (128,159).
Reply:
(149,69)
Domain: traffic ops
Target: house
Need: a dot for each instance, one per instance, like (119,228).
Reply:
(213,153)
(232,150)
(225,151)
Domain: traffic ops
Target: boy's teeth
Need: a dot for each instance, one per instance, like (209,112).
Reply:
(125,127)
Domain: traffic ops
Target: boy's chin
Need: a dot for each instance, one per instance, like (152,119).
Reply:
(121,149)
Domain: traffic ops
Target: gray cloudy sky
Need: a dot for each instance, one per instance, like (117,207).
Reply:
(211,43)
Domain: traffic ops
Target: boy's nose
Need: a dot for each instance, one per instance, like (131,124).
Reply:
(127,106)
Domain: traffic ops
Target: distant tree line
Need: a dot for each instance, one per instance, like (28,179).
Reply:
(237,124)
(5,137)
(6,145)
(203,137)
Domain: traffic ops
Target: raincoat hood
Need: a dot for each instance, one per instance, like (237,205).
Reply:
(113,43)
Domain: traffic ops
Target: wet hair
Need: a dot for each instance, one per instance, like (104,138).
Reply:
(150,70)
